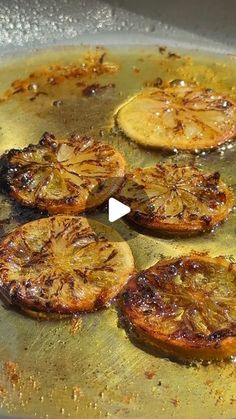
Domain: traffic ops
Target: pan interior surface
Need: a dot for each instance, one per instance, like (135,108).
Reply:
(86,366)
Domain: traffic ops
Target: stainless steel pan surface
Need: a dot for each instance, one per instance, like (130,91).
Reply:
(86,367)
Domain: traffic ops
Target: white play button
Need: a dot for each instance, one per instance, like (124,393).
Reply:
(116,210)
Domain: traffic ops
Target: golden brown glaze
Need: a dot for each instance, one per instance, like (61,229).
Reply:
(185,307)
(176,199)
(178,117)
(45,77)
(67,176)
(63,264)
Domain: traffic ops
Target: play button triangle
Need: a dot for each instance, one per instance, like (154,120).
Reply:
(116,210)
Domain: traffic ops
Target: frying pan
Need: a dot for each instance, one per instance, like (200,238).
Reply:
(97,372)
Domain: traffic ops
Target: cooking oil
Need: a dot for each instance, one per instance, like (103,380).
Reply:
(68,90)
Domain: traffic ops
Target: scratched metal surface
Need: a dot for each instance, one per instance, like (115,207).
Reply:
(88,368)
(29,24)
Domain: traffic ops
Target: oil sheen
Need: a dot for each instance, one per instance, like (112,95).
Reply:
(97,371)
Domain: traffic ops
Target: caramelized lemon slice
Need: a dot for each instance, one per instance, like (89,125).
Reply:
(176,199)
(66,176)
(63,264)
(185,307)
(183,118)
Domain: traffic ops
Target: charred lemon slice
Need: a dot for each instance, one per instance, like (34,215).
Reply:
(63,264)
(176,199)
(185,308)
(66,176)
(183,118)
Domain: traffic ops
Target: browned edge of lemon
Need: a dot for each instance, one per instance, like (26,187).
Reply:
(182,227)
(178,349)
(192,146)
(93,297)
(59,205)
